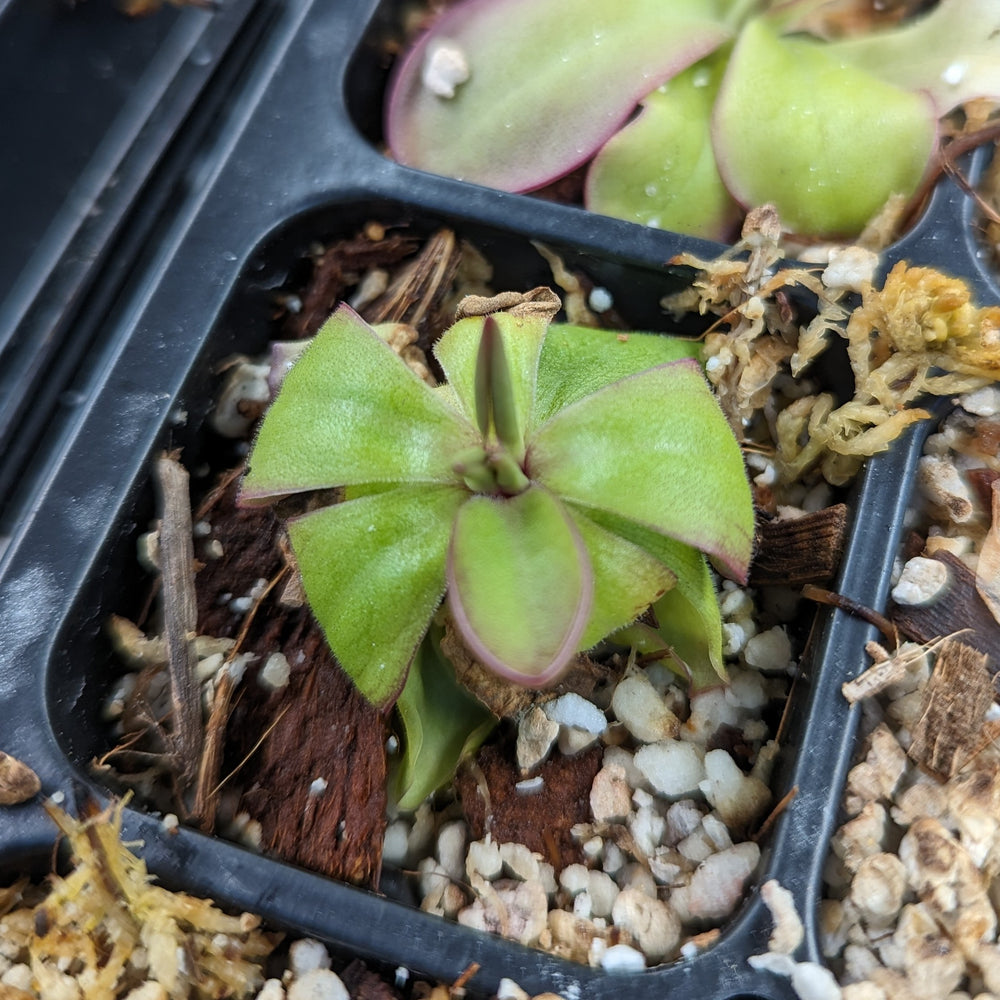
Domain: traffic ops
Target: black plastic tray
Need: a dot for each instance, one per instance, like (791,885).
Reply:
(265,182)
(98,109)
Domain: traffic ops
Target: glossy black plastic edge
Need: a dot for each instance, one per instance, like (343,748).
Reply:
(151,341)
(79,264)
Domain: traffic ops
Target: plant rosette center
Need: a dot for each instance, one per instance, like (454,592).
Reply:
(557,484)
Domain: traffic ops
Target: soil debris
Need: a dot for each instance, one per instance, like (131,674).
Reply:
(18,783)
(543,821)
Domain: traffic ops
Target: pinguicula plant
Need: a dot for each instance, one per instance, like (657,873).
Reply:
(558,483)
(690,110)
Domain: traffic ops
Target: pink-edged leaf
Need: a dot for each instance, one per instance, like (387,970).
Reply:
(799,127)
(578,360)
(690,622)
(520,585)
(373,569)
(350,411)
(654,448)
(548,83)
(627,578)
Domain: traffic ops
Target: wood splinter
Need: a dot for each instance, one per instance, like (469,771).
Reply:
(953,712)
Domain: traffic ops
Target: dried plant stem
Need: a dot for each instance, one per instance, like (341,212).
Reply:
(180,616)
(852,607)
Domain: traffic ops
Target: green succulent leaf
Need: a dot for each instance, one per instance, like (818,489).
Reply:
(688,614)
(509,368)
(373,569)
(690,622)
(442,724)
(660,170)
(548,83)
(578,360)
(680,475)
(520,585)
(796,126)
(350,412)
(952,52)
(627,578)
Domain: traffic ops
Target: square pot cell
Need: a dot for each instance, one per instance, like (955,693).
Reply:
(81,669)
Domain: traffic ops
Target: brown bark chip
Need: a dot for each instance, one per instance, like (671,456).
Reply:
(319,778)
(800,550)
(959,609)
(541,821)
(953,712)
(315,730)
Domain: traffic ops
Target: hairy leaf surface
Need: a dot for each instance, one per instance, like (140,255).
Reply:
(350,412)
(578,360)
(681,475)
(373,569)
(520,584)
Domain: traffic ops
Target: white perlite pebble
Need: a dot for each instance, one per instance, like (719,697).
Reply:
(17,977)
(788,930)
(483,859)
(814,982)
(610,795)
(600,299)
(575,712)
(738,798)
(674,768)
(920,582)
(451,849)
(272,990)
(642,710)
(507,989)
(622,958)
(275,672)
(654,926)
(983,402)
(320,984)
(770,650)
(536,734)
(717,884)
(850,269)
(306,955)
(394,843)
(445,67)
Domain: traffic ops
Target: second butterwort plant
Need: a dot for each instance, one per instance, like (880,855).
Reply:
(560,482)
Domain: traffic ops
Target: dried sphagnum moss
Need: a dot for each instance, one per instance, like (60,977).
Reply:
(104,928)
(918,335)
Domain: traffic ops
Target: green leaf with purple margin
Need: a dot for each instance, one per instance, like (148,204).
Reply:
(653,448)
(373,569)
(520,584)
(548,83)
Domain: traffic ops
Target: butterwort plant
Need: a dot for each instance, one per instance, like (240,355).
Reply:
(688,112)
(559,482)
